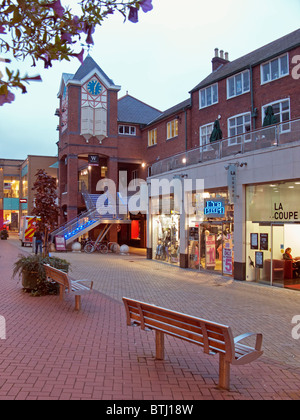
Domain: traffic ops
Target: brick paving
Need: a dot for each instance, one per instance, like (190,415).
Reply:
(52,352)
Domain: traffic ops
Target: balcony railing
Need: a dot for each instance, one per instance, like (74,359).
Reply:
(273,136)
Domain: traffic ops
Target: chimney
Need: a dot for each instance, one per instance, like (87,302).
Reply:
(218,61)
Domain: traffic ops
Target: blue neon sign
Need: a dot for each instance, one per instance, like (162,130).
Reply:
(214,207)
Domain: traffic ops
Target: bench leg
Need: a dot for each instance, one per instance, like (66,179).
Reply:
(77,302)
(224,373)
(160,345)
(61,292)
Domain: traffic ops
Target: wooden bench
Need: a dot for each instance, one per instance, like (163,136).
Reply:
(213,337)
(67,284)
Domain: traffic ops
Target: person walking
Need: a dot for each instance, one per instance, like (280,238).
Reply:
(38,240)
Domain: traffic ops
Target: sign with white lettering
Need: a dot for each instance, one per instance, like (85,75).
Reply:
(227,261)
(94,160)
(60,243)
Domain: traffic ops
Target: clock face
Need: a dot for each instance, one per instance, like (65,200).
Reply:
(94,87)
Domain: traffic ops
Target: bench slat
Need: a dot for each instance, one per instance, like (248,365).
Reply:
(181,326)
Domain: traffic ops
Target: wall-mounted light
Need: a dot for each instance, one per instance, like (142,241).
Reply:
(143,165)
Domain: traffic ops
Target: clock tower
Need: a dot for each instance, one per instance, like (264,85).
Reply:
(94,109)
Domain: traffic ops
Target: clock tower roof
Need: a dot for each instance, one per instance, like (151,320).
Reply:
(88,66)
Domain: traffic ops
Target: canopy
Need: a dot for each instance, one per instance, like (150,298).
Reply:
(269,117)
(216,134)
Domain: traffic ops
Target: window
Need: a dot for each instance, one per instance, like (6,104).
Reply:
(205,132)
(208,96)
(11,187)
(152,137)
(238,84)
(275,69)
(127,130)
(238,125)
(172,129)
(281,111)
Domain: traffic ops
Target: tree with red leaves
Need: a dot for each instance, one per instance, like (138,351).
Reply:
(45,206)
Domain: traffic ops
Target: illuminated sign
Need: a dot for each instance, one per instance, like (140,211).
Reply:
(215,208)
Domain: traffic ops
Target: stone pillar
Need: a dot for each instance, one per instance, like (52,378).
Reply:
(239,233)
(72,186)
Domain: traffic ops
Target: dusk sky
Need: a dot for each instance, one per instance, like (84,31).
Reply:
(158,60)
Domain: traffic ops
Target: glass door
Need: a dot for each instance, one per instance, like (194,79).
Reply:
(277,272)
(216,246)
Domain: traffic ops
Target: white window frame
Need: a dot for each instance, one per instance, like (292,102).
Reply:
(232,140)
(152,137)
(204,138)
(131,130)
(234,78)
(269,63)
(284,127)
(205,91)
(172,129)
(134,176)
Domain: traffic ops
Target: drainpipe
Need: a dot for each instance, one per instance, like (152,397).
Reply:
(185,115)
(253,110)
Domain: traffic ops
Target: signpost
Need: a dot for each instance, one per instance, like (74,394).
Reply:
(60,243)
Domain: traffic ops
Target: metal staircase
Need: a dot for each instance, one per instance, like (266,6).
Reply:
(87,220)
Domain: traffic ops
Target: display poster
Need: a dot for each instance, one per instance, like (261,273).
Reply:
(194,234)
(227,261)
(264,242)
(254,240)
(60,243)
(210,251)
(259,259)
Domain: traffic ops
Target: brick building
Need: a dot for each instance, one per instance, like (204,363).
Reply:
(100,135)
(126,134)
(16,181)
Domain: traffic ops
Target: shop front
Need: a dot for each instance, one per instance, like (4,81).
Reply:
(210,234)
(272,226)
(165,236)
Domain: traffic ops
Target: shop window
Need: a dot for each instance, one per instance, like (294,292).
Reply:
(11,187)
(135,229)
